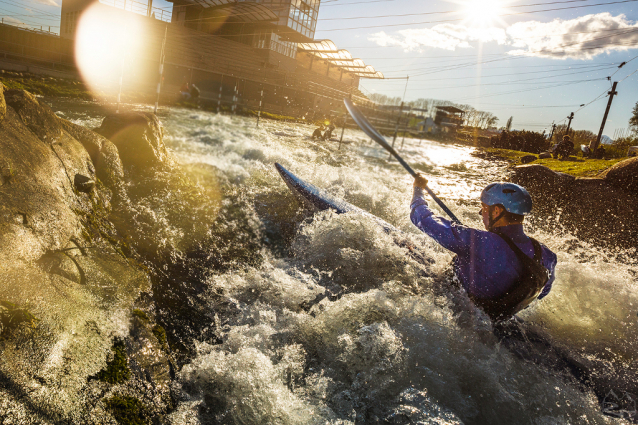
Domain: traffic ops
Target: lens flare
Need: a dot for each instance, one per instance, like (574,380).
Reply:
(107,42)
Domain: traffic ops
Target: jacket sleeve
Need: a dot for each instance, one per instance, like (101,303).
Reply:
(551,266)
(450,236)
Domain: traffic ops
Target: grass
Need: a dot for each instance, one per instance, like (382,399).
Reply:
(45,86)
(576,166)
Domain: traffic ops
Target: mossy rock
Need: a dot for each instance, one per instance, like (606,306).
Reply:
(127,410)
(160,334)
(116,370)
(12,316)
(141,314)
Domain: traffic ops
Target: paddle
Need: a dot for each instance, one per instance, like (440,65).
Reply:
(368,129)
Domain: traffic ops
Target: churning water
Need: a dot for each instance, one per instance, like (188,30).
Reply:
(386,345)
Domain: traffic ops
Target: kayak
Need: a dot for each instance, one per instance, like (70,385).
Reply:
(319,200)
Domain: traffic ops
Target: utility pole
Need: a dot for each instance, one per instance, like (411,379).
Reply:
(551,136)
(571,117)
(594,145)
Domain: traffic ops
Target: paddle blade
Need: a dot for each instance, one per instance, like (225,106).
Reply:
(365,125)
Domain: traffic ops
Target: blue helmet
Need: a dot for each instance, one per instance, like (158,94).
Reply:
(514,198)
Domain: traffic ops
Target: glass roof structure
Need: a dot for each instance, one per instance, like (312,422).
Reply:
(327,50)
(241,11)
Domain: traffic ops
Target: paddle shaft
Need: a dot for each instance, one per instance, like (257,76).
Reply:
(367,128)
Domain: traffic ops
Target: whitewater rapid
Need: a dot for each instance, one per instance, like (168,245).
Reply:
(390,349)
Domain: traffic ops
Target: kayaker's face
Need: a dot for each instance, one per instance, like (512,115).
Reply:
(488,212)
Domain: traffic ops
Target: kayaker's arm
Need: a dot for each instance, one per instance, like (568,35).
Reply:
(550,266)
(450,236)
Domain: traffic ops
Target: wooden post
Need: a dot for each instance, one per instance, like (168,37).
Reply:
(612,93)
(234,106)
(571,117)
(219,98)
(161,69)
(261,99)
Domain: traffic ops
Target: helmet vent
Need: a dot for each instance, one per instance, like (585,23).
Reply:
(509,191)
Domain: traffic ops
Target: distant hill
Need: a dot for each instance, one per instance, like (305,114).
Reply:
(606,140)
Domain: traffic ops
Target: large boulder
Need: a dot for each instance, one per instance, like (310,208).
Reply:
(37,116)
(103,153)
(64,284)
(139,139)
(623,175)
(591,208)
(38,201)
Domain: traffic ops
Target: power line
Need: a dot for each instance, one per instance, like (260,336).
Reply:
(501,15)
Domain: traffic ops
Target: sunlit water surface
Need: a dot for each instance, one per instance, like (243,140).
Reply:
(391,350)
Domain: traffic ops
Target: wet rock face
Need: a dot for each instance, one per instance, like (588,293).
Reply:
(65,287)
(103,153)
(597,209)
(623,175)
(38,117)
(138,137)
(38,201)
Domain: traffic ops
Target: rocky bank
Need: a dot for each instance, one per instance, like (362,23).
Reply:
(602,209)
(104,240)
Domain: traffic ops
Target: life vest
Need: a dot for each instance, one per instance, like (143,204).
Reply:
(523,291)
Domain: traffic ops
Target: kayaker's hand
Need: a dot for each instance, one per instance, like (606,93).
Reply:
(420,181)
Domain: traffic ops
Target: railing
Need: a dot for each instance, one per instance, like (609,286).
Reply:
(38,29)
(140,8)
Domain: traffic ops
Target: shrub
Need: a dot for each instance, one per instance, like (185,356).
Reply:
(525,141)
(618,149)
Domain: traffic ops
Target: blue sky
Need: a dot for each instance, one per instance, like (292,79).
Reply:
(529,65)
(494,55)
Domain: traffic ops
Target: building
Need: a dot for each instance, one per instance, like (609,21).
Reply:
(449,118)
(237,52)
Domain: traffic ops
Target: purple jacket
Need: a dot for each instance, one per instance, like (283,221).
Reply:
(486,265)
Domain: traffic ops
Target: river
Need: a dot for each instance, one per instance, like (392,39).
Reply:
(390,348)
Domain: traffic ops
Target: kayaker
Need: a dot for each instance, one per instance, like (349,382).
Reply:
(328,134)
(318,132)
(501,269)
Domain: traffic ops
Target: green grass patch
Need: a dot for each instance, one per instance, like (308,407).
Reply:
(116,370)
(44,86)
(127,410)
(576,166)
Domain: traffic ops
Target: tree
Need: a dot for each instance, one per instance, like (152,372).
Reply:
(508,126)
(633,121)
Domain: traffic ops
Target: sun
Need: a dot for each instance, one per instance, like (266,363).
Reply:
(483,13)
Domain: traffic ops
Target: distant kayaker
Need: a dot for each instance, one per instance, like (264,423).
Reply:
(565,148)
(318,133)
(501,269)
(328,134)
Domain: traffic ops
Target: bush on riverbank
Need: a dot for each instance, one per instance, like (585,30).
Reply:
(619,148)
(526,141)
